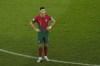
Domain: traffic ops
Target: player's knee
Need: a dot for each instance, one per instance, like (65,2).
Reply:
(40,45)
(46,45)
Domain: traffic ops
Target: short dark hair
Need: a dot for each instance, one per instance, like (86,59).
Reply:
(42,8)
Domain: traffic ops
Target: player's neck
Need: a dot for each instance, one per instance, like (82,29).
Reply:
(42,15)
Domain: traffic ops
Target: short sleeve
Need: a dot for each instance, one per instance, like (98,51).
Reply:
(34,20)
(51,19)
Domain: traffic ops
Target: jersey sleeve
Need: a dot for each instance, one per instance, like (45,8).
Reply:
(34,20)
(51,19)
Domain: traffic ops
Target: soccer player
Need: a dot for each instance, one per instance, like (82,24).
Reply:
(43,31)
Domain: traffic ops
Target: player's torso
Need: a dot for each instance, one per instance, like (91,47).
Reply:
(43,21)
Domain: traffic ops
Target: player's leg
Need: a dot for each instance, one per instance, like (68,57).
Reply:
(40,42)
(40,52)
(45,39)
(46,51)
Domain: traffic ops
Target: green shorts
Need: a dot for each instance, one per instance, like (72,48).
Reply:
(43,36)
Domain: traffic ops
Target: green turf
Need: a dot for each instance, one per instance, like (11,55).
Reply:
(75,37)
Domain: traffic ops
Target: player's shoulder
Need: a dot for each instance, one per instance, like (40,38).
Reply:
(48,16)
(37,16)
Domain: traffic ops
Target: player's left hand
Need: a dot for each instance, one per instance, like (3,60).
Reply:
(48,28)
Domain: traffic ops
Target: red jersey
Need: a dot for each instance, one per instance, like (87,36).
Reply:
(42,21)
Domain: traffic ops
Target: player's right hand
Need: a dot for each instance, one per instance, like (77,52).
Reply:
(37,30)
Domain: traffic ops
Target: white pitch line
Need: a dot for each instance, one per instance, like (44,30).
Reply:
(57,61)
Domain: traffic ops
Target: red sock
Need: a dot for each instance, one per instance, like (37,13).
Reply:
(45,50)
(40,51)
